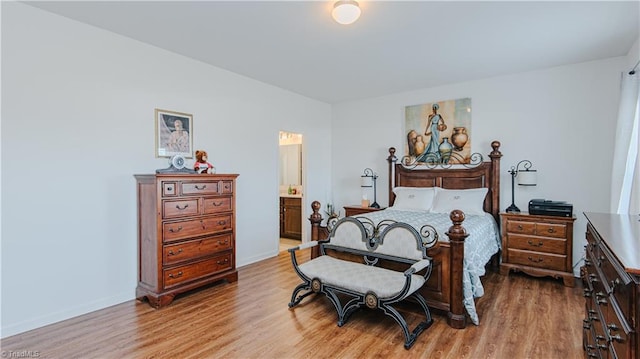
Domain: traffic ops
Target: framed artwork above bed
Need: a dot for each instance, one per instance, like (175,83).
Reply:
(439,132)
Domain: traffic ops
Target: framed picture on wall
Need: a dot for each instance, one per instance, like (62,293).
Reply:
(439,132)
(174,134)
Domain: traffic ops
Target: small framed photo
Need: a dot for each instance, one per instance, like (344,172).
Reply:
(174,134)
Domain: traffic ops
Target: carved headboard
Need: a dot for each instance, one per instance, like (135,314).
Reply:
(476,175)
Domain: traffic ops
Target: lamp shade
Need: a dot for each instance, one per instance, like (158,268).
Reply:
(527,177)
(346,12)
(366,181)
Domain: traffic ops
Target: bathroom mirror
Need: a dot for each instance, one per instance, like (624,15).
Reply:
(291,164)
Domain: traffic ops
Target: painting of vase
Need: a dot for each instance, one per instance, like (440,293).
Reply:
(428,125)
(459,138)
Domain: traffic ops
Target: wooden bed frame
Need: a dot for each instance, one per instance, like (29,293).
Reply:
(443,291)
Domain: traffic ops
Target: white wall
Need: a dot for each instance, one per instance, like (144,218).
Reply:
(78,123)
(562,119)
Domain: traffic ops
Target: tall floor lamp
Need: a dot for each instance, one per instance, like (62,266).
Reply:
(368,179)
(526,177)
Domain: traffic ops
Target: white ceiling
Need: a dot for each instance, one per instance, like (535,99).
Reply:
(394,46)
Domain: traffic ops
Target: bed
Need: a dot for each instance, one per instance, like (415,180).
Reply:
(455,278)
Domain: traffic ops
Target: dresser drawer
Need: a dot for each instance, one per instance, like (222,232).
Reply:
(618,335)
(200,188)
(180,208)
(173,231)
(555,230)
(551,230)
(537,259)
(539,244)
(217,204)
(193,271)
(185,251)
(621,291)
(521,227)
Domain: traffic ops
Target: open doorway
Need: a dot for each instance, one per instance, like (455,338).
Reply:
(291,189)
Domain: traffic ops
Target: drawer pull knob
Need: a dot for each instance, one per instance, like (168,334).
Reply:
(183,208)
(599,294)
(175,276)
(169,188)
(222,223)
(175,230)
(217,204)
(225,261)
(617,338)
(551,230)
(539,244)
(200,188)
(520,227)
(586,293)
(226,241)
(172,253)
(612,327)
(535,260)
(601,301)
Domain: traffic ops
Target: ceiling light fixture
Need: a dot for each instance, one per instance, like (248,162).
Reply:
(346,12)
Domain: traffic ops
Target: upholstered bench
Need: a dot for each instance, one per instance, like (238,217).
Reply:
(367,283)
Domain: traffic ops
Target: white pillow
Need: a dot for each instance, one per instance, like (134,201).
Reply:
(413,198)
(469,201)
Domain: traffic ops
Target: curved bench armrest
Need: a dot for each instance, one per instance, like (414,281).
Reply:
(418,266)
(303,246)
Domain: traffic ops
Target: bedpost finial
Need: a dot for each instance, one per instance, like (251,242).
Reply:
(457,216)
(392,155)
(315,217)
(496,149)
(457,231)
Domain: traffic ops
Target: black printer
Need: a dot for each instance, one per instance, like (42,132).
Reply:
(547,207)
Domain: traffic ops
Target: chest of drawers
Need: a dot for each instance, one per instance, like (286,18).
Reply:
(186,233)
(538,245)
(611,278)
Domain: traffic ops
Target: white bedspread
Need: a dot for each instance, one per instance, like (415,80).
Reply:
(482,243)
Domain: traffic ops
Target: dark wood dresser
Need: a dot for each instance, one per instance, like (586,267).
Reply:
(538,245)
(611,277)
(186,233)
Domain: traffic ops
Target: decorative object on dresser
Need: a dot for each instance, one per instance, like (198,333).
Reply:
(368,180)
(186,233)
(526,177)
(355,210)
(444,290)
(291,217)
(176,165)
(202,164)
(538,245)
(611,278)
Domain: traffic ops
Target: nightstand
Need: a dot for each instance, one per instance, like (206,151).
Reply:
(538,245)
(355,210)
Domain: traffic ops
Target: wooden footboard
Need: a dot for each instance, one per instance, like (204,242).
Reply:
(443,291)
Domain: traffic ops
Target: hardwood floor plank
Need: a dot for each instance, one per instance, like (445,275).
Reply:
(521,317)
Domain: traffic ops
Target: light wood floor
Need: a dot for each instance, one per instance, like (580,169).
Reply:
(521,317)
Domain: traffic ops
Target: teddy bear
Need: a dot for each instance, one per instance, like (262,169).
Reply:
(201,165)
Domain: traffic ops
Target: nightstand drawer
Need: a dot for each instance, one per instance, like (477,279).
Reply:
(537,259)
(537,228)
(521,227)
(538,244)
(551,230)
